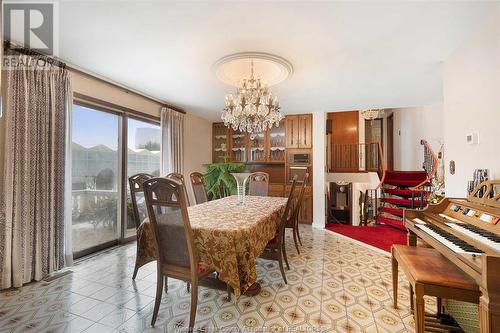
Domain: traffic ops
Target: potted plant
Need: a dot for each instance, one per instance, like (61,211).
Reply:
(220,174)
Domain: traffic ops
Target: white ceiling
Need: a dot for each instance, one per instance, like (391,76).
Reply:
(345,55)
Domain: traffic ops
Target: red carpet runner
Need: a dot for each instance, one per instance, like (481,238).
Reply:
(380,236)
(398,194)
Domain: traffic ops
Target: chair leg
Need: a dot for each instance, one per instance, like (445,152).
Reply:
(166,283)
(418,299)
(280,261)
(298,233)
(194,303)
(136,268)
(159,290)
(412,305)
(295,239)
(395,281)
(228,288)
(283,251)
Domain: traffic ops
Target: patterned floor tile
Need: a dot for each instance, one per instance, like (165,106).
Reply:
(334,285)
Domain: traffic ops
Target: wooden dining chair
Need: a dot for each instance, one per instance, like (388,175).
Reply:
(224,192)
(179,178)
(198,185)
(293,221)
(258,184)
(177,255)
(136,188)
(275,248)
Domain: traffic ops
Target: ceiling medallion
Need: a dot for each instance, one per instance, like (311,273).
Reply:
(252,107)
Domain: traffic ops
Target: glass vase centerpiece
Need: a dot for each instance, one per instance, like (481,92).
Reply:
(241,184)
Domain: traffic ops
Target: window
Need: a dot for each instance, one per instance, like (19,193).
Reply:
(143,156)
(95,178)
(107,148)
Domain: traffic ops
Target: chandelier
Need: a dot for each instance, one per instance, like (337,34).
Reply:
(252,108)
(372,114)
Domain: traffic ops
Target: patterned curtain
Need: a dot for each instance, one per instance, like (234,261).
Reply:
(32,200)
(172,141)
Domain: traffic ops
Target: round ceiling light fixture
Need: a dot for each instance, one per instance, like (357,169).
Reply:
(269,68)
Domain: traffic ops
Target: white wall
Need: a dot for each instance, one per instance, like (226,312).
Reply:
(410,126)
(92,87)
(197,147)
(472,104)
(319,152)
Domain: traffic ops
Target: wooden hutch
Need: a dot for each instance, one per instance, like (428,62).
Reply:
(273,152)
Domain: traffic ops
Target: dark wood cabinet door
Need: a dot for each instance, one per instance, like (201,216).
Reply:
(344,151)
(276,190)
(306,210)
(292,131)
(305,131)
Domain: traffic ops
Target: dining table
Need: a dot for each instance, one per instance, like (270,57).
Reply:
(229,237)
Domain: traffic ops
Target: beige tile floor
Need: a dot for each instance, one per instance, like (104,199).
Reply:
(335,285)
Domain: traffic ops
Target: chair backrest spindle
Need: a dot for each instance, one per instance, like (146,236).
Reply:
(136,188)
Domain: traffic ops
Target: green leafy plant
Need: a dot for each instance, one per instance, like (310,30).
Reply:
(220,173)
(151,146)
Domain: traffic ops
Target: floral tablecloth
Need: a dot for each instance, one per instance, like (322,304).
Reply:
(228,237)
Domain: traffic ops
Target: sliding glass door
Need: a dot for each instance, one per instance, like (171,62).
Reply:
(95,179)
(108,148)
(143,156)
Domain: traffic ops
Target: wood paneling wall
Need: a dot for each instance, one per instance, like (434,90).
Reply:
(344,141)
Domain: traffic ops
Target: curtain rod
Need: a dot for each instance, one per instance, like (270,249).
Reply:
(9,46)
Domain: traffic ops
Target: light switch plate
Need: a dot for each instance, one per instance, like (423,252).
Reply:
(472,138)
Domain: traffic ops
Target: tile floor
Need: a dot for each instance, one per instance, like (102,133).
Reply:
(335,285)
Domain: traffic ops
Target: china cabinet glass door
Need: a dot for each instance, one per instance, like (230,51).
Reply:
(238,147)
(220,143)
(277,143)
(257,147)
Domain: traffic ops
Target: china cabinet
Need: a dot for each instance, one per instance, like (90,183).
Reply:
(220,143)
(274,151)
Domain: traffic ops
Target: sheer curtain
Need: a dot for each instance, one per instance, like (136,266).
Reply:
(32,193)
(172,141)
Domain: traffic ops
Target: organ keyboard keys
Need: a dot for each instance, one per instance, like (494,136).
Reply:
(485,237)
(454,243)
(467,232)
